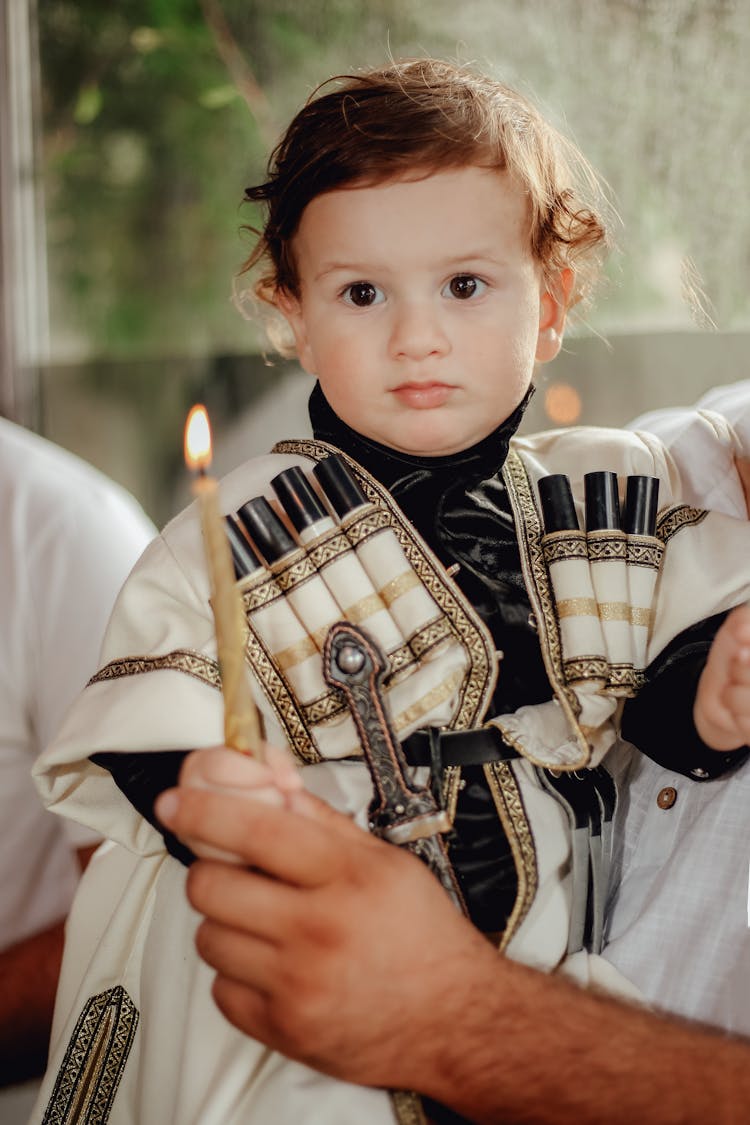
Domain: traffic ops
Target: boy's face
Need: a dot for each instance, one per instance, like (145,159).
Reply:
(421,309)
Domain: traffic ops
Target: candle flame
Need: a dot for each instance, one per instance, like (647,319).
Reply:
(197,439)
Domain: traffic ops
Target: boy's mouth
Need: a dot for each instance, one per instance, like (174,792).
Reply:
(423,396)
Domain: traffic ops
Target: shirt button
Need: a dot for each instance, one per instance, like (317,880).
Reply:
(667,797)
(699,773)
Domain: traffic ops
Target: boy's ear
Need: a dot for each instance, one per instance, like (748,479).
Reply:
(291,309)
(554,304)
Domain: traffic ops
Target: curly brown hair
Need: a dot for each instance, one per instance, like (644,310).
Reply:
(410,119)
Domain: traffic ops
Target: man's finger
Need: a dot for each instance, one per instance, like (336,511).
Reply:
(245,1008)
(296,849)
(237,955)
(216,767)
(245,899)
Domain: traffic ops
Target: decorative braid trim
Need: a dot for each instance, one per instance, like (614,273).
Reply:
(278,692)
(581,668)
(512,813)
(95,1058)
(179,660)
(674,519)
(645,550)
(408,1108)
(559,546)
(602,548)
(535,572)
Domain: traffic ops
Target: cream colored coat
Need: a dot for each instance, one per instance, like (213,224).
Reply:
(136,1037)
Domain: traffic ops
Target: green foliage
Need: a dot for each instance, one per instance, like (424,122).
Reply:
(146,150)
(151,131)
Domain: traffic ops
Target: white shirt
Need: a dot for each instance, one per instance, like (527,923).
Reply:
(678,923)
(69,537)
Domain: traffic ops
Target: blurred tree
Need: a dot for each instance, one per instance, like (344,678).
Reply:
(147,144)
(155,114)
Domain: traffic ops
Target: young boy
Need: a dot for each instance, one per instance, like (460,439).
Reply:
(426,234)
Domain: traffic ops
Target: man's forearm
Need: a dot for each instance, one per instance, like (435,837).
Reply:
(29,972)
(530,1048)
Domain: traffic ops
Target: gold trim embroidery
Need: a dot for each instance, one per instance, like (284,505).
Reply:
(425,704)
(577,607)
(180,660)
(293,572)
(399,660)
(360,610)
(536,577)
(429,637)
(296,654)
(622,676)
(95,1058)
(645,550)
(605,547)
(280,696)
(259,591)
(330,546)
(325,709)
(674,519)
(561,546)
(506,794)
(407,1107)
(450,790)
(398,586)
(586,668)
(614,611)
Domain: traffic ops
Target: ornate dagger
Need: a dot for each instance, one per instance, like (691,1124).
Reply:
(401,812)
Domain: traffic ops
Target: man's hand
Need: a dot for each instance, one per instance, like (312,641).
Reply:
(331,929)
(722,702)
(344,952)
(226,771)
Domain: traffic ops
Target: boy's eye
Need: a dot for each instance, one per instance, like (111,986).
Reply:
(463,286)
(362,294)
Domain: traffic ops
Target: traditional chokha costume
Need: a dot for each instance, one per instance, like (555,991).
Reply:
(514,660)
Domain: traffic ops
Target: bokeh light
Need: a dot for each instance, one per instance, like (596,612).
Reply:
(562,404)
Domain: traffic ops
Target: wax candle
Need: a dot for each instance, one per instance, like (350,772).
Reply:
(241,722)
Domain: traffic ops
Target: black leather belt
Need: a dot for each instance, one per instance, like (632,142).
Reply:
(457,747)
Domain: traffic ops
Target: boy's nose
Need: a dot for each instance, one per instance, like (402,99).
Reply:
(417,332)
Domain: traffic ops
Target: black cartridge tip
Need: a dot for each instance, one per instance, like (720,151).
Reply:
(558,508)
(243,556)
(602,501)
(297,498)
(339,484)
(265,529)
(641,505)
